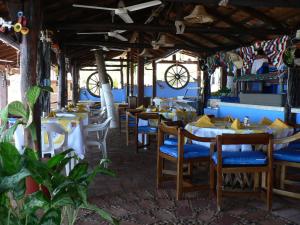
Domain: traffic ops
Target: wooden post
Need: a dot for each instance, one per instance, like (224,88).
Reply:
(127,75)
(121,74)
(28,64)
(141,63)
(223,77)
(3,89)
(154,79)
(44,70)
(131,74)
(106,89)
(61,101)
(292,98)
(75,83)
(199,71)
(206,90)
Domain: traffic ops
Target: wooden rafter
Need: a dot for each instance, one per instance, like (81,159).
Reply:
(252,3)
(236,28)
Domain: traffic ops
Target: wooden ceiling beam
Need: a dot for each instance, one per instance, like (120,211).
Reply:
(187,41)
(262,17)
(131,45)
(237,29)
(234,24)
(252,3)
(8,40)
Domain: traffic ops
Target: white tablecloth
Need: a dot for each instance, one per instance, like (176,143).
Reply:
(218,130)
(74,127)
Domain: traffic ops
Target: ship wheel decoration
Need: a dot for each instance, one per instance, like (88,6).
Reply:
(93,84)
(177,76)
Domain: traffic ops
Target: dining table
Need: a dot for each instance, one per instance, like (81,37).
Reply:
(222,126)
(185,116)
(72,122)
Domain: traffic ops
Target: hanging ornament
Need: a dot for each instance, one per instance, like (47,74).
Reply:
(5,25)
(21,25)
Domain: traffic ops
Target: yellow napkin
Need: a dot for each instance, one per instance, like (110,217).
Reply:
(140,107)
(236,125)
(52,114)
(229,119)
(204,121)
(163,110)
(265,121)
(154,110)
(279,124)
(179,111)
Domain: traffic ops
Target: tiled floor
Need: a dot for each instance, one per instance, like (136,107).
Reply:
(133,198)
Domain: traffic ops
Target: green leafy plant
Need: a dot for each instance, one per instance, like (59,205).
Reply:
(223,92)
(23,111)
(67,194)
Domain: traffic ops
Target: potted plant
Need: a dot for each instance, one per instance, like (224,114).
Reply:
(66,194)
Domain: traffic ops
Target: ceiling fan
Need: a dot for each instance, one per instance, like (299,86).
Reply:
(115,34)
(122,10)
(106,49)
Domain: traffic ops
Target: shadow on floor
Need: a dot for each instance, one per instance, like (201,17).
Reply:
(133,198)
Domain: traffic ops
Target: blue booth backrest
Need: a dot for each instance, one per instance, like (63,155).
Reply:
(162,90)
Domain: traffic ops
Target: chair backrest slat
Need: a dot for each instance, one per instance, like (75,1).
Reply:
(191,136)
(164,129)
(287,140)
(251,139)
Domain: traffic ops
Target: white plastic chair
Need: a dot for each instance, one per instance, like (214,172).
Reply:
(101,130)
(98,116)
(49,130)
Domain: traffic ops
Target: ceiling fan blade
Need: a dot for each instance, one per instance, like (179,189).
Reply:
(143,5)
(118,36)
(90,33)
(125,17)
(92,7)
(119,31)
(117,49)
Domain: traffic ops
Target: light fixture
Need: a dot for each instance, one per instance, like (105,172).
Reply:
(223,3)
(180,26)
(199,15)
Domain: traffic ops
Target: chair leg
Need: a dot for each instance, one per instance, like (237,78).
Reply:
(211,178)
(179,181)
(159,170)
(190,168)
(127,136)
(270,190)
(282,176)
(137,141)
(219,189)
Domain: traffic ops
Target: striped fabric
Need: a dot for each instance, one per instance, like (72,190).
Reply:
(274,49)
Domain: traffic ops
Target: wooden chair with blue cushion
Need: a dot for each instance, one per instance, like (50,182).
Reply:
(288,157)
(242,162)
(122,115)
(130,122)
(146,130)
(181,154)
(169,139)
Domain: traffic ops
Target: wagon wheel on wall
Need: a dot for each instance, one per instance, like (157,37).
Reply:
(93,84)
(177,76)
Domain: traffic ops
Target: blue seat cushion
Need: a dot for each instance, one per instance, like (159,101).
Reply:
(290,155)
(241,158)
(147,129)
(190,151)
(123,117)
(171,141)
(294,145)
